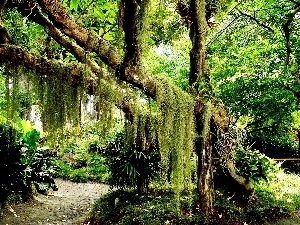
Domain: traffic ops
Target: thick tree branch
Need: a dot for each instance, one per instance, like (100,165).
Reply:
(79,53)
(198,33)
(90,41)
(131,11)
(21,57)
(2,5)
(87,39)
(249,187)
(4,36)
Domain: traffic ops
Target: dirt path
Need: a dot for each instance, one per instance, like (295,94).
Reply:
(67,206)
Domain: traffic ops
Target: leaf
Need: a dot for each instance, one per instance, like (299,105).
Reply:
(74,4)
(254,168)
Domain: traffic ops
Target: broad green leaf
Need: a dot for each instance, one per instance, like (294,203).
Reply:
(74,4)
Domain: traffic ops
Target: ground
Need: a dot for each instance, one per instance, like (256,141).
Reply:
(67,206)
(294,219)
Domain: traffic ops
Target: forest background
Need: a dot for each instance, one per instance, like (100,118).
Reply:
(193,81)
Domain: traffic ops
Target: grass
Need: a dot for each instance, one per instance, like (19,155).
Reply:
(273,200)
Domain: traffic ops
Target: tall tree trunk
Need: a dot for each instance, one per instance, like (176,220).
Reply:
(200,85)
(205,172)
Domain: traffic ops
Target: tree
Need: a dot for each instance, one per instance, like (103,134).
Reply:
(96,58)
(261,70)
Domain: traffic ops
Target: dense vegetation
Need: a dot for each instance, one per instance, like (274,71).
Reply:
(180,105)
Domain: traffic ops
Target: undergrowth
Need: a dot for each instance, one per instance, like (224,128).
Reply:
(155,208)
(272,200)
(94,170)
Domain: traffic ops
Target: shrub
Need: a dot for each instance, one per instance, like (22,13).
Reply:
(12,171)
(39,167)
(79,175)
(155,208)
(273,199)
(22,163)
(129,166)
(253,165)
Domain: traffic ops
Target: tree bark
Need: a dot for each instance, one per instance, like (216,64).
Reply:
(199,79)
(205,170)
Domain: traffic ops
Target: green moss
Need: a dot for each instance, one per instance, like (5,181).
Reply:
(175,132)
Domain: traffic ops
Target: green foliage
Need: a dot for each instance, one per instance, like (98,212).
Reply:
(23,164)
(29,35)
(253,165)
(274,198)
(255,81)
(97,168)
(64,170)
(130,166)
(39,169)
(100,16)
(12,171)
(170,61)
(79,175)
(164,25)
(80,157)
(94,170)
(296,120)
(282,192)
(38,166)
(121,207)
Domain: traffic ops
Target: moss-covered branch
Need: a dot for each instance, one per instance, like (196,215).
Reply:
(92,42)
(74,75)
(80,53)
(87,39)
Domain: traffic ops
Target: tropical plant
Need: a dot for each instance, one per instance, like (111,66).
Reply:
(130,166)
(24,165)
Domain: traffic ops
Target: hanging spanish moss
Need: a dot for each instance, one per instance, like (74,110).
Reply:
(12,76)
(105,98)
(175,132)
(170,123)
(141,132)
(60,94)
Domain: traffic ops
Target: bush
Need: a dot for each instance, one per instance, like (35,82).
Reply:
(22,163)
(273,199)
(129,166)
(253,165)
(12,171)
(80,175)
(39,167)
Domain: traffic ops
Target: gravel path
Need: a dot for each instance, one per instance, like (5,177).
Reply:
(67,206)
